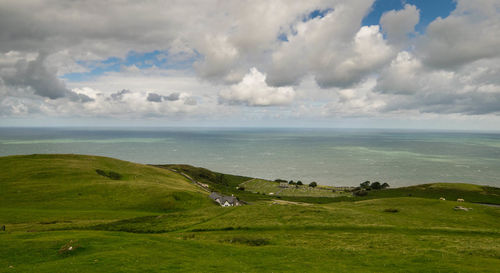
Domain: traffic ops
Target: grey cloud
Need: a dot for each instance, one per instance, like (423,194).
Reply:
(119,95)
(172,97)
(153,97)
(35,76)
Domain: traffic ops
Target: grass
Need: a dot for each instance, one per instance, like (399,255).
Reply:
(70,181)
(267,187)
(125,225)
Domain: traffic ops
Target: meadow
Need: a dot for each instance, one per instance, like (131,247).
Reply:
(155,220)
(267,187)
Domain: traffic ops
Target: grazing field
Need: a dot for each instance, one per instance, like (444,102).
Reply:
(155,220)
(262,186)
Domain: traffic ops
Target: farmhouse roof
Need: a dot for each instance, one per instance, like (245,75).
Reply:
(215,195)
(223,198)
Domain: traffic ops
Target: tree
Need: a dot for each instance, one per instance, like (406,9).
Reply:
(385,185)
(365,185)
(376,185)
(313,184)
(291,182)
(299,183)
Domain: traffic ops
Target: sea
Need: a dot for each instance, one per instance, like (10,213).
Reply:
(337,157)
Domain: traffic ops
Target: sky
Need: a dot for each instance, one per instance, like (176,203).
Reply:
(419,64)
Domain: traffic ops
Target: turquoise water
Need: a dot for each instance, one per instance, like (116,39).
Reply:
(328,156)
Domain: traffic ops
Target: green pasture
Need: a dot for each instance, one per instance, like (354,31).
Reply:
(156,220)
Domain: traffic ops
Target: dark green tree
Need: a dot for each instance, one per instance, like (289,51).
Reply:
(376,185)
(365,185)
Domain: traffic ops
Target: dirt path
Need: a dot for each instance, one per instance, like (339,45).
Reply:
(190,179)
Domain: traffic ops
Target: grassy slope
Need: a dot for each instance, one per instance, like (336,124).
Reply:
(42,187)
(192,235)
(266,186)
(228,184)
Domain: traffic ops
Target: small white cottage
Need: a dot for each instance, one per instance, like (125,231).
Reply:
(225,201)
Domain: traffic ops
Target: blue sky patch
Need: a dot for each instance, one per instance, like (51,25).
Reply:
(429,11)
(317,13)
(142,60)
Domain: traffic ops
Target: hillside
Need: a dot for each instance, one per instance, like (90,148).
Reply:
(71,182)
(258,189)
(130,217)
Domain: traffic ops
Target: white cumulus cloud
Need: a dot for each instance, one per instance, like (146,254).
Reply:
(254,91)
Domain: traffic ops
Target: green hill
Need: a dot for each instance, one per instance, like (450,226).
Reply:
(70,185)
(75,213)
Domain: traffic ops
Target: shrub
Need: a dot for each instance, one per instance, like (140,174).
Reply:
(114,175)
(241,188)
(110,174)
(313,184)
(280,180)
(291,182)
(299,183)
(247,241)
(361,192)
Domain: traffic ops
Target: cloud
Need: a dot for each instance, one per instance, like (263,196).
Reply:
(172,97)
(34,76)
(398,24)
(219,57)
(153,97)
(472,90)
(470,33)
(118,96)
(333,48)
(254,91)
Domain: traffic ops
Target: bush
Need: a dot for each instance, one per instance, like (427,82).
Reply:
(241,188)
(101,172)
(313,184)
(247,241)
(110,174)
(114,175)
(291,182)
(299,183)
(280,180)
(372,186)
(361,192)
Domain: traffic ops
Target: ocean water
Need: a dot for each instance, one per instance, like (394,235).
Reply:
(327,156)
